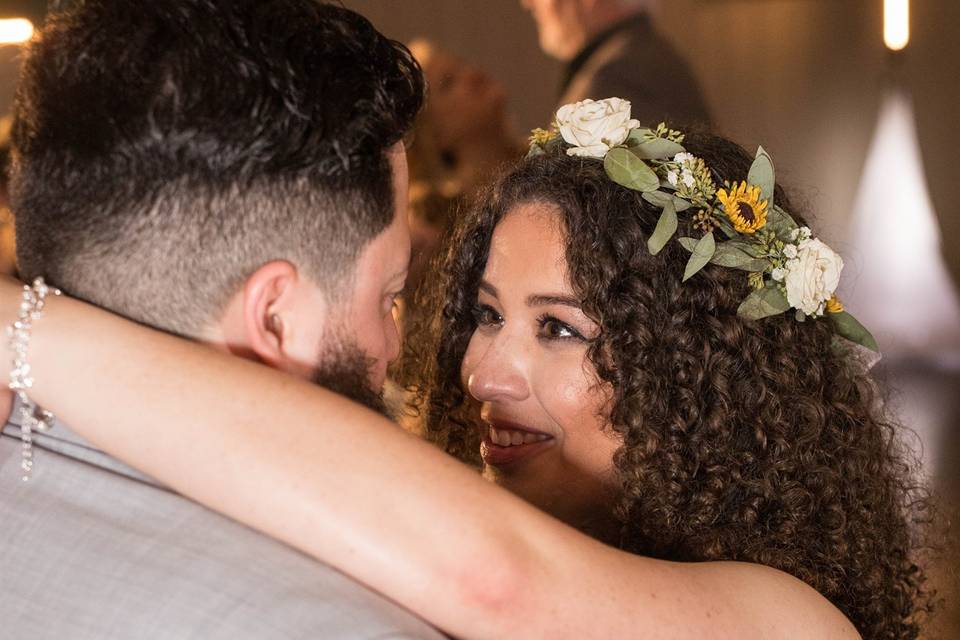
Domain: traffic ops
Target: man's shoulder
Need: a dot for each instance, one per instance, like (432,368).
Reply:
(84,539)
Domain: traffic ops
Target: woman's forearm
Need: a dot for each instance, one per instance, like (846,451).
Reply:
(353,489)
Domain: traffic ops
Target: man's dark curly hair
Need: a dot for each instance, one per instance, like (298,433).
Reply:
(757,441)
(164,150)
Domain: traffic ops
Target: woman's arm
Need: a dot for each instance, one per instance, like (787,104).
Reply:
(348,487)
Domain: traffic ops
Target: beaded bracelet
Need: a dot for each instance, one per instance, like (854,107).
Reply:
(32,416)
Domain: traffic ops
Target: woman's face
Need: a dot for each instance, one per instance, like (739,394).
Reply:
(542,406)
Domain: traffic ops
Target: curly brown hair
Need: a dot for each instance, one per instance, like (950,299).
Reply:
(758,441)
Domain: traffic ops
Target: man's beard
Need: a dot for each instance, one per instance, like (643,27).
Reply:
(344,368)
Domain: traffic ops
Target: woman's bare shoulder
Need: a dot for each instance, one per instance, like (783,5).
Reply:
(768,602)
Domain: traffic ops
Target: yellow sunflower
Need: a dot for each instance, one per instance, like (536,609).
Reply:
(834,305)
(743,205)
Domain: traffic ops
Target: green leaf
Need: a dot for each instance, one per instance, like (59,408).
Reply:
(763,303)
(733,254)
(638,136)
(762,175)
(657,149)
(851,329)
(726,227)
(628,170)
(780,222)
(661,198)
(702,252)
(666,227)
(688,243)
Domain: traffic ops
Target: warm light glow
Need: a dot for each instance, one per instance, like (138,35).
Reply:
(15,30)
(896,24)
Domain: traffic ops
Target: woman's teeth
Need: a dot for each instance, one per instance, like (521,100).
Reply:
(510,438)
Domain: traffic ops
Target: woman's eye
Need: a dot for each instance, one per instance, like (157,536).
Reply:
(553,329)
(485,316)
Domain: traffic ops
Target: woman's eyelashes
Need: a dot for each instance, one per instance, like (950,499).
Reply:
(486,316)
(552,328)
(549,327)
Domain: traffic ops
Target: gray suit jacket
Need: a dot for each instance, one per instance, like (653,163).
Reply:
(631,60)
(89,548)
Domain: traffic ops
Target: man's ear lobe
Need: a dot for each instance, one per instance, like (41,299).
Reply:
(269,295)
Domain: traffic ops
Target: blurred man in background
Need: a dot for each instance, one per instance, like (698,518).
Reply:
(611,48)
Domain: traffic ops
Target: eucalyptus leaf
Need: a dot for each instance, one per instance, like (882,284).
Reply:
(726,227)
(658,198)
(630,171)
(688,243)
(732,254)
(657,149)
(638,135)
(780,223)
(702,252)
(851,329)
(763,303)
(762,175)
(661,198)
(666,227)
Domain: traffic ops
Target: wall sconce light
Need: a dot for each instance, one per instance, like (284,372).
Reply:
(896,24)
(15,30)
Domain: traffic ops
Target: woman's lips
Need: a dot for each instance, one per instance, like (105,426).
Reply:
(498,448)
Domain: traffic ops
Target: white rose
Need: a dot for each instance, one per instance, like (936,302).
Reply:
(593,127)
(813,276)
(778,274)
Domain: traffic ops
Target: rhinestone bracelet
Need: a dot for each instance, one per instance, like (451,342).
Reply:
(32,417)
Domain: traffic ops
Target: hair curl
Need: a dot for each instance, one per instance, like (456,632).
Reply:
(758,441)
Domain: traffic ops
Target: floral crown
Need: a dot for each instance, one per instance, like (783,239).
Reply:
(787,267)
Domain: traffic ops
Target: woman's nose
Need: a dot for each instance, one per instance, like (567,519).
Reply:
(498,372)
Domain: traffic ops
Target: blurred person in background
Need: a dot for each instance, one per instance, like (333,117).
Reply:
(460,138)
(611,47)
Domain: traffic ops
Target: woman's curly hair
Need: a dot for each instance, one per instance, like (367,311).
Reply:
(758,441)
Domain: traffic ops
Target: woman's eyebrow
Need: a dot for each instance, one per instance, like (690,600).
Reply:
(486,287)
(543,300)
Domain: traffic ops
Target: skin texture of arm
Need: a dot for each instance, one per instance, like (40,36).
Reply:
(348,487)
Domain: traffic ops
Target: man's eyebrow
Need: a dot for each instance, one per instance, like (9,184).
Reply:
(400,275)
(541,300)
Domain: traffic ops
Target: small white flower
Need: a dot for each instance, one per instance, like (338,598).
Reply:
(790,251)
(682,157)
(688,178)
(778,274)
(673,176)
(594,127)
(813,276)
(801,234)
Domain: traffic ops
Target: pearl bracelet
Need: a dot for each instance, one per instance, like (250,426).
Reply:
(18,334)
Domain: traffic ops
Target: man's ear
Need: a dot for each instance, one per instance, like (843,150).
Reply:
(269,307)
